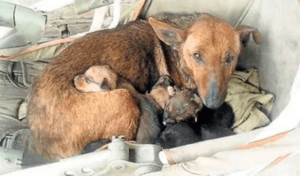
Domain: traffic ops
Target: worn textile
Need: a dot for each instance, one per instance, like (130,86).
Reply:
(250,105)
(265,157)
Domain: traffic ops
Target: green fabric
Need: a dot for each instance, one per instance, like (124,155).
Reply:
(46,53)
(16,77)
(251,105)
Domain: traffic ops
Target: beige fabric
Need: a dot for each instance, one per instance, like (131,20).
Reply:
(280,152)
(250,104)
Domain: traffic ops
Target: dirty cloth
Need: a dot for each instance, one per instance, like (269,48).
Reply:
(273,155)
(250,104)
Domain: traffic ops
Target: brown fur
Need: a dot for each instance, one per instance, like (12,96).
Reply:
(182,106)
(62,119)
(160,92)
(68,135)
(178,105)
(149,124)
(96,79)
(217,43)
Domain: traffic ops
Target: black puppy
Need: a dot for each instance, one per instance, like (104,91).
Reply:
(211,124)
(178,134)
(215,123)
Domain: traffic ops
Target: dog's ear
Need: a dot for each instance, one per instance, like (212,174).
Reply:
(167,33)
(245,32)
(104,85)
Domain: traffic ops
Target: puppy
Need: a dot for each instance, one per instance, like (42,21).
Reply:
(178,134)
(96,79)
(183,105)
(216,123)
(212,124)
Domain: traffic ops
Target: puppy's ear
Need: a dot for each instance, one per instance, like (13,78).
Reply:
(171,90)
(167,33)
(196,99)
(107,66)
(245,32)
(196,118)
(104,85)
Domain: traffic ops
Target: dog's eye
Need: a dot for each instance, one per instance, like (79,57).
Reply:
(228,60)
(198,57)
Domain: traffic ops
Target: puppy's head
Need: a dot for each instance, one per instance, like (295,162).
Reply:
(209,49)
(182,106)
(95,79)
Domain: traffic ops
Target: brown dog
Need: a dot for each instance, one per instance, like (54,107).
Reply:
(200,56)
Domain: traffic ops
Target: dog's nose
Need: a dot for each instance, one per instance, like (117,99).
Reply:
(213,99)
(214,104)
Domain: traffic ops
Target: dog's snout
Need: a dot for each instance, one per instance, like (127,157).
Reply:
(213,99)
(213,103)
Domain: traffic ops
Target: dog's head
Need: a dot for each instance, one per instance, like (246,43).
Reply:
(209,49)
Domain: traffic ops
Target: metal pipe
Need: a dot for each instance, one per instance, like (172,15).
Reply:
(29,26)
(7,11)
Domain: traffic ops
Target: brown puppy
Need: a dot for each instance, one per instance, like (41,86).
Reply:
(96,79)
(178,105)
(183,105)
(200,56)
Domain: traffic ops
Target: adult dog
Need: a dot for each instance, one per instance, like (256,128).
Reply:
(200,55)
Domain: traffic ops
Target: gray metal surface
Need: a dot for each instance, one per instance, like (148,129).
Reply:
(29,25)
(11,155)
(7,14)
(119,159)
